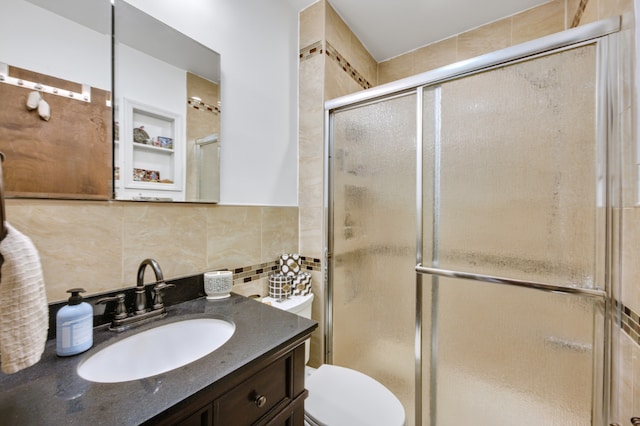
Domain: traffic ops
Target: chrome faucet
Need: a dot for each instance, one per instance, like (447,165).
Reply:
(122,319)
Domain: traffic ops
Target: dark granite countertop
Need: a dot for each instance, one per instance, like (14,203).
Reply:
(52,393)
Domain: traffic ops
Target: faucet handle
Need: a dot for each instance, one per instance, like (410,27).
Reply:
(121,310)
(157,294)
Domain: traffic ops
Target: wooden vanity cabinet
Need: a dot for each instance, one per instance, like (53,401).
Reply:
(269,391)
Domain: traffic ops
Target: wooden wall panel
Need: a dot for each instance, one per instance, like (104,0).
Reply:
(69,156)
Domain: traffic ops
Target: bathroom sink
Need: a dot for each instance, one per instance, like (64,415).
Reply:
(156,350)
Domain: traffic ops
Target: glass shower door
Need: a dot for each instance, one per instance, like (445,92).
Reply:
(373,242)
(513,194)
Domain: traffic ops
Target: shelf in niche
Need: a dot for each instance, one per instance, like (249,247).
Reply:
(152,147)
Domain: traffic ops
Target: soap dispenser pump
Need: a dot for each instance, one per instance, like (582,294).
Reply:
(74,325)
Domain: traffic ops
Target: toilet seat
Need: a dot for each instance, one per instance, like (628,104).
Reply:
(340,396)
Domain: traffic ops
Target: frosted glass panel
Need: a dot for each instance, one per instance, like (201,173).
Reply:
(511,356)
(374,243)
(518,176)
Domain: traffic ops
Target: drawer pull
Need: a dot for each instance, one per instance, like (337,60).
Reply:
(261,401)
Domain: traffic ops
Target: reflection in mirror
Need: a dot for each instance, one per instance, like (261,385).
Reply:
(167,112)
(55,82)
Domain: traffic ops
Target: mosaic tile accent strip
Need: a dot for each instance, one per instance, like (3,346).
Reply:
(198,104)
(578,16)
(310,263)
(629,322)
(347,67)
(247,274)
(312,50)
(317,49)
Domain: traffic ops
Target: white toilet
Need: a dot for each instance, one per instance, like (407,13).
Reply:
(340,396)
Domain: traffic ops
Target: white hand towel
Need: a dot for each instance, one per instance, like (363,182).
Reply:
(24,313)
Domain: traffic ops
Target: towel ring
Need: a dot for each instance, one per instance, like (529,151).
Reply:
(3,227)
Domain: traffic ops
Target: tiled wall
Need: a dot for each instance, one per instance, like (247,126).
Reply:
(99,245)
(203,119)
(333,63)
(549,18)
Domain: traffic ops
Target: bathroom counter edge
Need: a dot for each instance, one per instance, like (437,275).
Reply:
(51,390)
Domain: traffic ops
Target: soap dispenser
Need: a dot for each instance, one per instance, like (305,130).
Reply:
(74,325)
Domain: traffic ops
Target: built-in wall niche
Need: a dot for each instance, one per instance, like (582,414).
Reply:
(149,153)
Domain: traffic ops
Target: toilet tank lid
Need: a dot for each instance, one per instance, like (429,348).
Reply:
(342,396)
(292,304)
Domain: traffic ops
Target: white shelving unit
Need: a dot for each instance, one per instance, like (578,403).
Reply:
(155,168)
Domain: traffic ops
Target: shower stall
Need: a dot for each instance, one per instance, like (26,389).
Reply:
(470,233)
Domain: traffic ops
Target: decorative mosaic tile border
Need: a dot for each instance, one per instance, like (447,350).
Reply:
(629,322)
(346,67)
(312,50)
(198,104)
(316,49)
(263,270)
(578,16)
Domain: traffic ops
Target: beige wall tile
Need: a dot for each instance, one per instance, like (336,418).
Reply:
(589,15)
(312,24)
(99,245)
(80,244)
(436,55)
(396,68)
(338,33)
(311,225)
(629,360)
(175,235)
(485,39)
(234,237)
(311,153)
(338,82)
(340,36)
(363,62)
(311,182)
(610,8)
(316,355)
(630,254)
(426,58)
(538,22)
(311,108)
(635,360)
(279,232)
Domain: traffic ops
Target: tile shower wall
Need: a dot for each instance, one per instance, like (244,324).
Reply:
(99,245)
(549,18)
(333,63)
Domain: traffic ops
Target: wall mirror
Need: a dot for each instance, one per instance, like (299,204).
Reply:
(166,112)
(55,87)
(155,138)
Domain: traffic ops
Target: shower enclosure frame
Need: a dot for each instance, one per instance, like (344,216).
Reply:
(607,35)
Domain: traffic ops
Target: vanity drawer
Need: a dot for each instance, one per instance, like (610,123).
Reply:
(255,397)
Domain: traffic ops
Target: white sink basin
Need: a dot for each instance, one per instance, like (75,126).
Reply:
(156,350)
